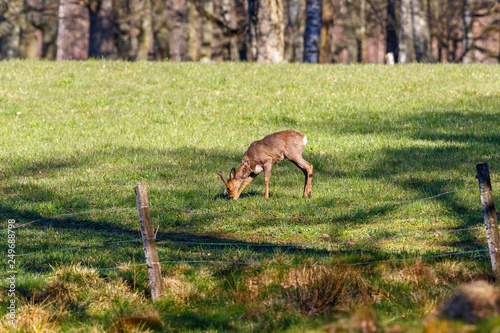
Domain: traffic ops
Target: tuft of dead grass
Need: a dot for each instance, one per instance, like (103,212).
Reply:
(453,271)
(413,274)
(185,290)
(178,290)
(316,290)
(44,317)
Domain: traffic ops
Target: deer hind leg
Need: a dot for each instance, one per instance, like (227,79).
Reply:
(307,169)
(267,174)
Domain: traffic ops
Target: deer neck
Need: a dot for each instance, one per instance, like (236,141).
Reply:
(243,171)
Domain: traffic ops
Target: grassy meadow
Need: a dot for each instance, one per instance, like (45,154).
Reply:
(393,226)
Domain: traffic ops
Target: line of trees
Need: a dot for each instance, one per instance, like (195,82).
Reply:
(266,31)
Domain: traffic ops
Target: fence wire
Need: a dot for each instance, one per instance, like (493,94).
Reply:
(79,247)
(68,215)
(260,264)
(420,233)
(336,216)
(194,211)
(242,244)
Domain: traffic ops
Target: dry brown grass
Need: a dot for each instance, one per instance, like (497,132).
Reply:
(316,290)
(41,318)
(183,290)
(270,296)
(413,274)
(453,271)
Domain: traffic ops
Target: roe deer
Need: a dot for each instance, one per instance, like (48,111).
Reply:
(262,154)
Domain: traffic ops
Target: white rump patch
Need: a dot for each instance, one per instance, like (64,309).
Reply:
(305,140)
(257,169)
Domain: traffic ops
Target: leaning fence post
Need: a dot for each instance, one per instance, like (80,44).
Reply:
(489,214)
(149,241)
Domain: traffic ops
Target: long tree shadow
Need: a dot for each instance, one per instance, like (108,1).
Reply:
(446,143)
(111,232)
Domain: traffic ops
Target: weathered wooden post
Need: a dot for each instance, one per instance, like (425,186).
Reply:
(489,214)
(149,241)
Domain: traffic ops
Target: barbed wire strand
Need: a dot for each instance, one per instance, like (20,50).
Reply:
(326,244)
(3,194)
(74,248)
(365,211)
(69,214)
(313,244)
(249,263)
(243,216)
(233,243)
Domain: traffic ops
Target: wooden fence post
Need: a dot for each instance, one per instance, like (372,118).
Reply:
(489,214)
(149,241)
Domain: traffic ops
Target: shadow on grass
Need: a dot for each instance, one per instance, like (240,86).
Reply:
(447,143)
(190,321)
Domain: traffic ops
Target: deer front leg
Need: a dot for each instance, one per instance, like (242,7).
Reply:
(267,174)
(247,181)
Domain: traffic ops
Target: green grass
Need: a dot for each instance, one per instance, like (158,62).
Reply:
(78,136)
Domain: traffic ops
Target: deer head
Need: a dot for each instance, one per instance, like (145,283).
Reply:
(232,184)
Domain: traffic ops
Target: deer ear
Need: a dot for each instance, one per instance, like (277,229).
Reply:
(232,174)
(222,177)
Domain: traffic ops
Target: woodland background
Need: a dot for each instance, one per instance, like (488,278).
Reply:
(265,31)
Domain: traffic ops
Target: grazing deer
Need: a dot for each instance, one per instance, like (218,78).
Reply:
(262,154)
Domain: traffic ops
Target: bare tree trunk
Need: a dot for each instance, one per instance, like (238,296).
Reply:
(10,30)
(241,16)
(325,34)
(362,53)
(145,49)
(414,32)
(406,42)
(391,31)
(270,31)
(433,31)
(206,33)
(178,32)
(160,28)
(101,44)
(312,32)
(30,42)
(194,32)
(375,25)
(467,35)
(228,15)
(421,34)
(218,39)
(48,25)
(340,32)
(252,30)
(11,42)
(73,34)
(135,28)
(353,30)
(294,32)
